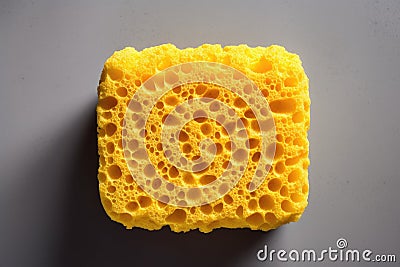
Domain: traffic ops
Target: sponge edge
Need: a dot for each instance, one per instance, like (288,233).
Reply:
(280,199)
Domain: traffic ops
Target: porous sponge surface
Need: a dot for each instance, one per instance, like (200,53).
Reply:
(280,199)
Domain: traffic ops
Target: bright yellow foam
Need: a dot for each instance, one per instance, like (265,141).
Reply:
(282,196)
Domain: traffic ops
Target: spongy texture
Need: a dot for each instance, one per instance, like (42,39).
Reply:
(280,199)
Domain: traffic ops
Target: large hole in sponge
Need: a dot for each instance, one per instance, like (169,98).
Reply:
(206,179)
(115,74)
(171,100)
(296,197)
(122,92)
(252,143)
(129,179)
(200,89)
(266,202)
(212,93)
(253,204)
(284,191)
(256,157)
(173,172)
(249,114)
(219,148)
(125,217)
(294,175)
(255,126)
(111,189)
(108,102)
(218,207)
(188,178)
(275,184)
(183,136)
(270,218)
(178,216)
(298,117)
(287,206)
(228,199)
(111,128)
(262,66)
(283,105)
(279,150)
(299,142)
(280,167)
(239,102)
(239,211)
(206,209)
(292,161)
(255,219)
(290,82)
(110,148)
(206,128)
(144,201)
(132,206)
(114,171)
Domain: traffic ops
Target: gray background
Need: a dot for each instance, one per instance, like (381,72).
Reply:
(51,55)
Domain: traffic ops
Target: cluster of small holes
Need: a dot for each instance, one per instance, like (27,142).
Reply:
(278,195)
(195,131)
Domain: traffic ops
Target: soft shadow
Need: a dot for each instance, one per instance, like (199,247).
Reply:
(90,238)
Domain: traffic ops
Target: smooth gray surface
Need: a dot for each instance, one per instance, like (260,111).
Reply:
(51,56)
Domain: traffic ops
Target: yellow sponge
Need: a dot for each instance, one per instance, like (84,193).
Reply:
(181,142)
